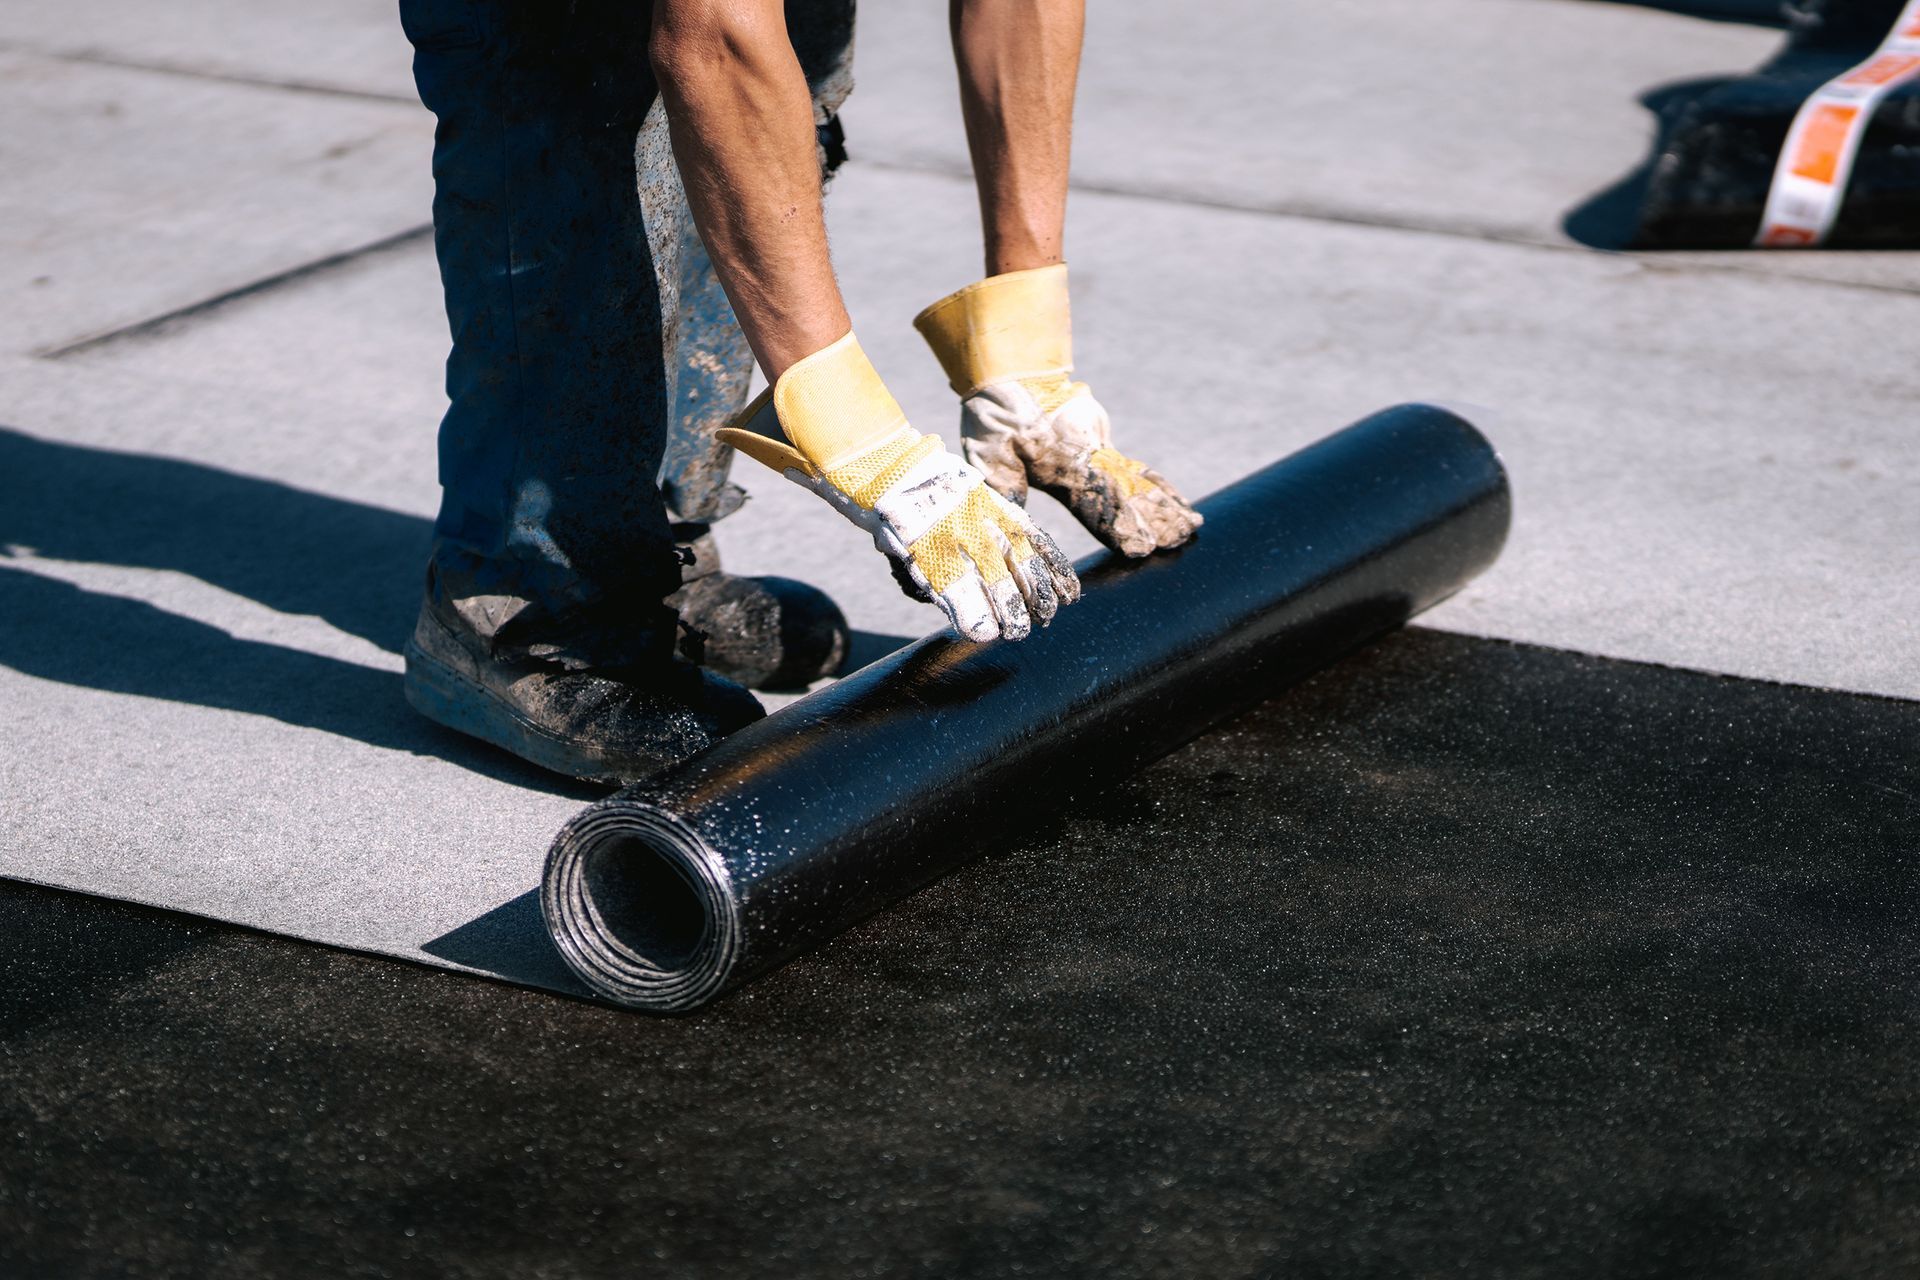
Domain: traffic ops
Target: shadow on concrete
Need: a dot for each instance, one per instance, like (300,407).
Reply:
(56,631)
(356,566)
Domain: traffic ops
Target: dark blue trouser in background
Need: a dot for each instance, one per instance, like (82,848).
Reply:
(591,342)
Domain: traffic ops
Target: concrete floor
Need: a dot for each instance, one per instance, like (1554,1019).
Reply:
(220,375)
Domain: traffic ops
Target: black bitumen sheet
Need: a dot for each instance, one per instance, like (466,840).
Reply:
(1462,958)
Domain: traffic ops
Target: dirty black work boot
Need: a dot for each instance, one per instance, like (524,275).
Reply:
(606,725)
(765,633)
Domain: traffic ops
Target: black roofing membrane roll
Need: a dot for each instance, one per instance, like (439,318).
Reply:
(671,891)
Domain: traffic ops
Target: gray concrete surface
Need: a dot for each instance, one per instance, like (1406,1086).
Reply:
(131,193)
(339,46)
(1488,118)
(1289,215)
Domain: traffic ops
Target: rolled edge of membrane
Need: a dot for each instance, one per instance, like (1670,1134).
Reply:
(1476,421)
(640,907)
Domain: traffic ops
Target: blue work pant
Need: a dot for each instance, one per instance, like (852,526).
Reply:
(593,350)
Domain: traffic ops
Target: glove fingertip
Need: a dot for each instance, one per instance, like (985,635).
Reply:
(1043,601)
(1165,486)
(1016,623)
(1067,585)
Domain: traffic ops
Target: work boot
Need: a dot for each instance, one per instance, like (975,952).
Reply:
(612,725)
(765,633)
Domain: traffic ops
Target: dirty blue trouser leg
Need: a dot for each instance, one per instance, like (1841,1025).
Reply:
(593,351)
(552,442)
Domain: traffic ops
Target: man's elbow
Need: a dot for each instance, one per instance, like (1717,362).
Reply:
(696,42)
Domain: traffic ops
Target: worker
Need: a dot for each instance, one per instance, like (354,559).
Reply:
(580,293)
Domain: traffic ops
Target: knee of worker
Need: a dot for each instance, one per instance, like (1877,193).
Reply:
(695,42)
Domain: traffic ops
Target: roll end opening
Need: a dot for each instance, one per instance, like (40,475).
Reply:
(640,907)
(645,903)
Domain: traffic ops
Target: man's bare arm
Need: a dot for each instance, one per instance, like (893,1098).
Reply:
(742,125)
(1019,61)
(1006,341)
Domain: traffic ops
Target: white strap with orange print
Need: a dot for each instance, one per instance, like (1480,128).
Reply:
(1811,177)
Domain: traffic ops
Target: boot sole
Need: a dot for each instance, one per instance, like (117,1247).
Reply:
(448,698)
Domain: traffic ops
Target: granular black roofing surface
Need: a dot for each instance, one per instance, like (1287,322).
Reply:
(1464,958)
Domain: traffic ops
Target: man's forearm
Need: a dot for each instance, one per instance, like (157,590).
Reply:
(1018,63)
(743,133)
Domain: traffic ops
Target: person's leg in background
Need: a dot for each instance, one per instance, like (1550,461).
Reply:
(543,629)
(764,632)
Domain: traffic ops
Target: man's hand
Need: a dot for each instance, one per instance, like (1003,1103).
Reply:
(829,425)
(1055,436)
(1007,348)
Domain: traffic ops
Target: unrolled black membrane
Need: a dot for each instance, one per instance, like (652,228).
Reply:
(1720,140)
(667,893)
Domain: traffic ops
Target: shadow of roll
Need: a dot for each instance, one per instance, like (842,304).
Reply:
(667,893)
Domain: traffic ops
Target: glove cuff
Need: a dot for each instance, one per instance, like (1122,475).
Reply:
(833,407)
(1009,326)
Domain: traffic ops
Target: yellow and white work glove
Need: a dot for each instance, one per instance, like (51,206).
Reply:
(830,425)
(1007,346)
